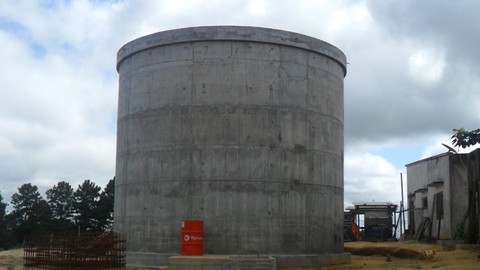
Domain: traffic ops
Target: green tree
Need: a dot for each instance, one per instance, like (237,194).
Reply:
(7,240)
(44,219)
(105,206)
(31,214)
(60,200)
(86,199)
(464,139)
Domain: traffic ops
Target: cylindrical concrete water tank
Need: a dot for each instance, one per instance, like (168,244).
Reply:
(241,127)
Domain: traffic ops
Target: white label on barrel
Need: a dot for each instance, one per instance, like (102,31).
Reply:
(183,224)
(186,237)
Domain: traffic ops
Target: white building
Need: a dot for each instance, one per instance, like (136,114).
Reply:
(438,193)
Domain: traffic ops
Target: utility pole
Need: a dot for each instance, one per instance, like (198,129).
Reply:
(402,210)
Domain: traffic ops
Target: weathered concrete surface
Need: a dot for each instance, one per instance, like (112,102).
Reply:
(240,127)
(444,173)
(221,262)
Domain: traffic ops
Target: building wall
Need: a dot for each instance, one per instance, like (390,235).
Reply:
(458,200)
(428,177)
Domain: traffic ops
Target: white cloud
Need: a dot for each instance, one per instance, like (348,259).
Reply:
(342,20)
(426,66)
(370,177)
(257,8)
(58,108)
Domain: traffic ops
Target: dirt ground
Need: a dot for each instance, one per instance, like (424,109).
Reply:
(11,259)
(408,255)
(365,255)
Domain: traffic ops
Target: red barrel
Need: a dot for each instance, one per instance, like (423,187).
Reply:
(192,238)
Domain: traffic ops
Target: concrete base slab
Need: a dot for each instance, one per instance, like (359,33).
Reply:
(214,262)
(147,259)
(221,262)
(313,260)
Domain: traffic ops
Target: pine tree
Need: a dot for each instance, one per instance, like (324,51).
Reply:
(60,200)
(7,240)
(86,199)
(31,214)
(105,206)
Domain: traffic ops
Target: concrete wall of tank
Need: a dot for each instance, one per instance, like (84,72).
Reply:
(240,127)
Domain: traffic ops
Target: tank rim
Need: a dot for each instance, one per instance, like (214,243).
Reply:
(232,33)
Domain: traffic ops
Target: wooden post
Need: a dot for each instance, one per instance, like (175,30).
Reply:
(402,209)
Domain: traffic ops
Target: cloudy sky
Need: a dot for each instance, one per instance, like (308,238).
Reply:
(413,76)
